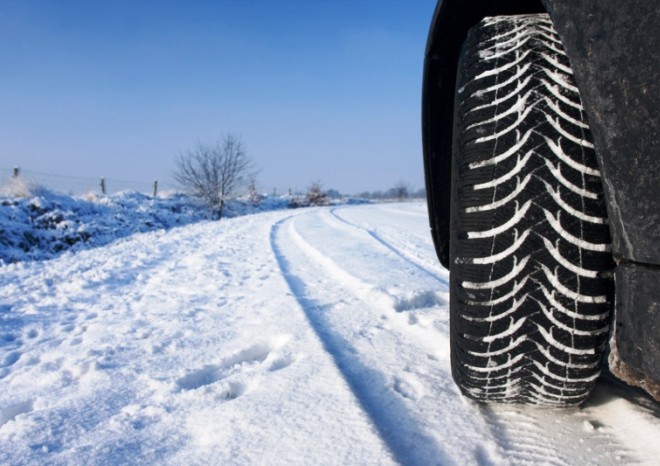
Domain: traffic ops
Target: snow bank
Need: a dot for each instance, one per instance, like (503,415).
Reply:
(46,224)
(38,224)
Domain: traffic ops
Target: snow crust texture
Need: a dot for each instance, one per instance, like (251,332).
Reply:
(315,336)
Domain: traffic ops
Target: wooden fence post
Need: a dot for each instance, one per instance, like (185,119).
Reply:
(155,188)
(103,185)
(17,172)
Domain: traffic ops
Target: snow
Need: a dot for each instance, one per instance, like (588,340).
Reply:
(307,336)
(38,224)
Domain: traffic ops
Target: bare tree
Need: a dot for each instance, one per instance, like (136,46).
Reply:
(214,172)
(401,190)
(252,190)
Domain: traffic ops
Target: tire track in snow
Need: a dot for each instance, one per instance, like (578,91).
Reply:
(357,325)
(406,257)
(503,434)
(537,436)
(555,436)
(430,288)
(523,435)
(385,412)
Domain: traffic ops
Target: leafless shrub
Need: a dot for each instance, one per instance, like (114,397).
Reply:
(215,172)
(401,190)
(316,196)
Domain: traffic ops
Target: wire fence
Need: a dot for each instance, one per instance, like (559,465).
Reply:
(76,185)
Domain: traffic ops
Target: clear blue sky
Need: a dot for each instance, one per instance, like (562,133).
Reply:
(318,90)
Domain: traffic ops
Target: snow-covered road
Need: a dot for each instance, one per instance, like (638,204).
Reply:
(316,336)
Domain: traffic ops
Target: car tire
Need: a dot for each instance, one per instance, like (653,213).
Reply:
(531,286)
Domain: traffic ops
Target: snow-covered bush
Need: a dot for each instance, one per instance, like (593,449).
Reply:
(20,186)
(37,224)
(316,196)
(41,224)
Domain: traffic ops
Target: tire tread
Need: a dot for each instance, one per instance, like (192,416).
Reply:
(531,299)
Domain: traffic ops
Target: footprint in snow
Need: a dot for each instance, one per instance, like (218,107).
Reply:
(9,413)
(105,359)
(212,373)
(420,300)
(67,327)
(8,338)
(409,387)
(281,362)
(247,361)
(76,341)
(11,359)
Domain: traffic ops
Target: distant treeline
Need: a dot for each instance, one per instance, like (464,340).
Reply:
(393,193)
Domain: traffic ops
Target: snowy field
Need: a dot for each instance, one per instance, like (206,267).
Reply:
(311,336)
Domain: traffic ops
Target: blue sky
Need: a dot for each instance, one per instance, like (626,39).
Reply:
(318,90)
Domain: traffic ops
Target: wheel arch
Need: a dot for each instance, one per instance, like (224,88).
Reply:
(451,22)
